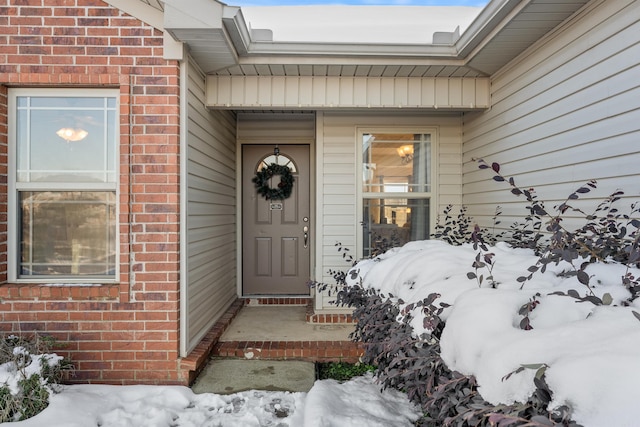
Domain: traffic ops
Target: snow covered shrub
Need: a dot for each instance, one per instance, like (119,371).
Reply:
(28,375)
(413,365)
(606,235)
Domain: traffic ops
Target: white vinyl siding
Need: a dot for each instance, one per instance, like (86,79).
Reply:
(295,92)
(210,213)
(564,112)
(338,207)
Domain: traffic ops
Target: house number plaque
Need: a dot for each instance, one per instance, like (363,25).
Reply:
(276,206)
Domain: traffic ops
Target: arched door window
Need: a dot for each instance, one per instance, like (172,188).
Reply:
(280,159)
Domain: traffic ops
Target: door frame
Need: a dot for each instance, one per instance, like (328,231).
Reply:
(312,206)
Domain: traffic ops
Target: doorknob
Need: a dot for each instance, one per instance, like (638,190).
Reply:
(305,229)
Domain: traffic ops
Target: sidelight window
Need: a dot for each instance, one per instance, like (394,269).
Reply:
(396,191)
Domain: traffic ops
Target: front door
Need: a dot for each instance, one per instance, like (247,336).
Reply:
(276,233)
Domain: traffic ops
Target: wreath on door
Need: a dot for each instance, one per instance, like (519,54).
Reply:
(284,188)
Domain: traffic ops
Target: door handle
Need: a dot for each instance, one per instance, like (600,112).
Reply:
(305,229)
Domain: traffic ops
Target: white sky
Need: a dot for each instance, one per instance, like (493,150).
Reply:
(359,24)
(474,3)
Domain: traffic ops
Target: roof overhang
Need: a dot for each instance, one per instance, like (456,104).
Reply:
(221,41)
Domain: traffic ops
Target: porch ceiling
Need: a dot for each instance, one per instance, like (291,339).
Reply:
(503,30)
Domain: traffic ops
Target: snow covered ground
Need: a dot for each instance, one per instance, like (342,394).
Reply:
(351,404)
(592,352)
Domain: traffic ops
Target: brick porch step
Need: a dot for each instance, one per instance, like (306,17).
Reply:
(316,351)
(212,345)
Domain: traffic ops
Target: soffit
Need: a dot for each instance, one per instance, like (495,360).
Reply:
(502,31)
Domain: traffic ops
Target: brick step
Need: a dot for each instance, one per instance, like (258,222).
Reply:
(315,351)
(311,315)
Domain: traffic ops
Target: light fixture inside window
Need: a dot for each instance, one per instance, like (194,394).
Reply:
(406,153)
(72,134)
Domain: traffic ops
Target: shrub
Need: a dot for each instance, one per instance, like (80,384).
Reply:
(342,371)
(413,365)
(606,235)
(29,374)
(459,230)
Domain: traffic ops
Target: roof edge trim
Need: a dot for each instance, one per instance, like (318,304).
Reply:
(145,13)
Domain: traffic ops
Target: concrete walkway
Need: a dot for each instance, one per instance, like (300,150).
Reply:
(263,324)
(282,323)
(227,376)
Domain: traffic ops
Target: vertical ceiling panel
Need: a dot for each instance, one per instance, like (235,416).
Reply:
(455,92)
(374,91)
(400,89)
(319,91)
(278,91)
(386,92)
(306,91)
(442,92)
(360,92)
(251,92)
(333,91)
(346,91)
(428,93)
(414,90)
(291,91)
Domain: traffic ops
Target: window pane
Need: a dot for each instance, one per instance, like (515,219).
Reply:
(393,222)
(280,159)
(67,233)
(396,159)
(67,102)
(66,140)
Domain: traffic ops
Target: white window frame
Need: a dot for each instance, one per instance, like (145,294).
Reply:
(361,195)
(13,249)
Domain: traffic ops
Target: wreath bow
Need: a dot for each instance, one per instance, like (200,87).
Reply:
(284,188)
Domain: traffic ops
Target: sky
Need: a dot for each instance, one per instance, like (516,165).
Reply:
(344,23)
(591,352)
(243,3)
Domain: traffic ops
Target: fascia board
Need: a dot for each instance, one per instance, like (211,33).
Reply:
(354,50)
(192,14)
(237,29)
(493,16)
(142,11)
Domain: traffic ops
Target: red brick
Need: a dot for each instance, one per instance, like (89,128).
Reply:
(86,43)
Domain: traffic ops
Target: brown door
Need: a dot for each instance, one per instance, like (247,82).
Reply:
(276,233)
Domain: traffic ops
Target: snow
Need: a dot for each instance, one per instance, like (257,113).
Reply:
(328,403)
(11,373)
(592,352)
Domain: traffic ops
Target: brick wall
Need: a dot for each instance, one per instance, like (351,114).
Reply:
(127,332)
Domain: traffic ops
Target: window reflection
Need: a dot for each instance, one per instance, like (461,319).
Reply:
(67,233)
(396,189)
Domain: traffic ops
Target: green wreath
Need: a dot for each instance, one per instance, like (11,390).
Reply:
(285,186)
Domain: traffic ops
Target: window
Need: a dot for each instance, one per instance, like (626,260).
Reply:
(396,189)
(63,178)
